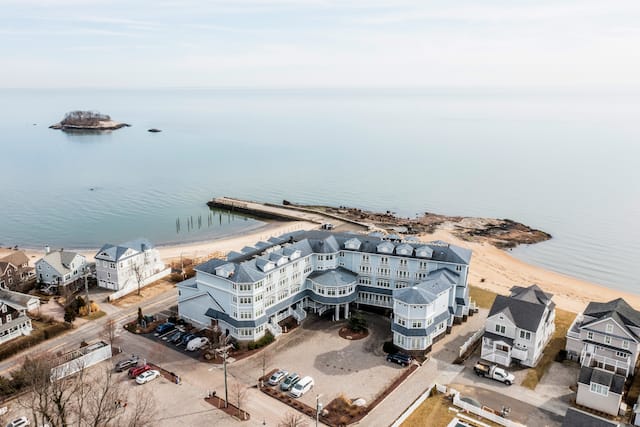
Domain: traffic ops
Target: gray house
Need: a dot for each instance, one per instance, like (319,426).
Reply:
(519,326)
(606,335)
(600,390)
(60,268)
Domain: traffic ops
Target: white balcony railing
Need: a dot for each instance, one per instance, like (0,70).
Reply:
(593,359)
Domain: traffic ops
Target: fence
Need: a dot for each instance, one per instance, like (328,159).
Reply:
(471,341)
(481,412)
(77,360)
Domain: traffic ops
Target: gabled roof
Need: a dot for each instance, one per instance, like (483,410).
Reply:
(428,290)
(576,418)
(60,260)
(115,252)
(615,382)
(15,299)
(521,310)
(17,258)
(627,314)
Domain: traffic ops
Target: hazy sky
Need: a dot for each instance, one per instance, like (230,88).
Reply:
(317,43)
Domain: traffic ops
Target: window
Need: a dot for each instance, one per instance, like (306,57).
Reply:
(589,335)
(609,329)
(525,335)
(416,324)
(501,329)
(599,389)
(245,300)
(365,258)
(607,339)
(4,308)
(384,260)
(403,263)
(364,280)
(625,344)
(401,320)
(8,318)
(622,354)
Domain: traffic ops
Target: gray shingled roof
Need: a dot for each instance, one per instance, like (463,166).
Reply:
(60,260)
(531,294)
(17,258)
(627,314)
(428,290)
(15,299)
(525,314)
(599,376)
(333,278)
(577,418)
(115,252)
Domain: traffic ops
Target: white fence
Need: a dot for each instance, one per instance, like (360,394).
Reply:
(472,340)
(75,361)
(482,413)
(413,407)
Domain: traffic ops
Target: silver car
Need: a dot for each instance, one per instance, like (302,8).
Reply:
(277,377)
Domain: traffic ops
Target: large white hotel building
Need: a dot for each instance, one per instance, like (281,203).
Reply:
(425,284)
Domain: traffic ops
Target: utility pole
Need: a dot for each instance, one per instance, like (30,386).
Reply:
(224,352)
(86,284)
(318,408)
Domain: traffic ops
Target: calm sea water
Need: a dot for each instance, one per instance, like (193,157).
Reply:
(565,163)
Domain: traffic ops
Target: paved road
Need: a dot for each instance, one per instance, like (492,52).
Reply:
(90,331)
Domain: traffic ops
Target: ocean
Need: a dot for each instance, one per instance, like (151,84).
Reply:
(566,163)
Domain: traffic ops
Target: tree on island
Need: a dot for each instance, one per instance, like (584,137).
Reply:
(357,322)
(84,118)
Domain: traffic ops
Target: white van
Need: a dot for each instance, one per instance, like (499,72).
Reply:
(301,387)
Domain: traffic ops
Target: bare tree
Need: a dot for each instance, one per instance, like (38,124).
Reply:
(292,419)
(265,360)
(239,395)
(109,331)
(138,273)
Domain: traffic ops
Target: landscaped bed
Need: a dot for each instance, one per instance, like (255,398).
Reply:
(229,409)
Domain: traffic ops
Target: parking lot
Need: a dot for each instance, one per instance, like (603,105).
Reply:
(357,369)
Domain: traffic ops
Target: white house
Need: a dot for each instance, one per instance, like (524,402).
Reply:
(129,265)
(60,268)
(14,321)
(519,327)
(425,284)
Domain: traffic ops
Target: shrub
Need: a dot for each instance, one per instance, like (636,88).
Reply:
(176,277)
(357,323)
(267,339)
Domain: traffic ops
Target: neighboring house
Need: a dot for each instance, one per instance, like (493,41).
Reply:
(519,326)
(425,284)
(15,272)
(14,321)
(60,268)
(577,418)
(606,335)
(129,265)
(600,390)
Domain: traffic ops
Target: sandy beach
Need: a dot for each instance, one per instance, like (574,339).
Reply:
(501,271)
(491,268)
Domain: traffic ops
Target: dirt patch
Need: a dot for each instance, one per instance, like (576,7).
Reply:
(147,292)
(348,334)
(230,409)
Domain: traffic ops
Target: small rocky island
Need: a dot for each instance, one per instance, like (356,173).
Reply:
(87,120)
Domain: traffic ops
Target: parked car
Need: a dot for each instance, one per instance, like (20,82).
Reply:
(127,363)
(175,338)
(301,387)
(277,377)
(493,372)
(185,340)
(399,358)
(19,422)
(164,328)
(134,372)
(147,376)
(170,336)
(289,382)
(197,343)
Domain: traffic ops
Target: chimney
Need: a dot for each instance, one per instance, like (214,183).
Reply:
(47,249)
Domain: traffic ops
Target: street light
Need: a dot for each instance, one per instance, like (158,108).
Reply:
(318,408)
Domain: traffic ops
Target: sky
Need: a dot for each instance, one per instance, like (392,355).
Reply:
(319,43)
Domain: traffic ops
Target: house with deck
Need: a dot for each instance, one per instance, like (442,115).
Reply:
(519,326)
(15,272)
(14,321)
(60,268)
(607,336)
(130,265)
(249,292)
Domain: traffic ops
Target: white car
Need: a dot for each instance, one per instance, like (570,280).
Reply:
(19,422)
(197,343)
(147,376)
(301,387)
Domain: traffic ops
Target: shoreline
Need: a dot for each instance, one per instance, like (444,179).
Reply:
(491,268)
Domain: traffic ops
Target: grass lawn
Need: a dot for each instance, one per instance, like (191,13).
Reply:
(484,299)
(434,412)
(95,315)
